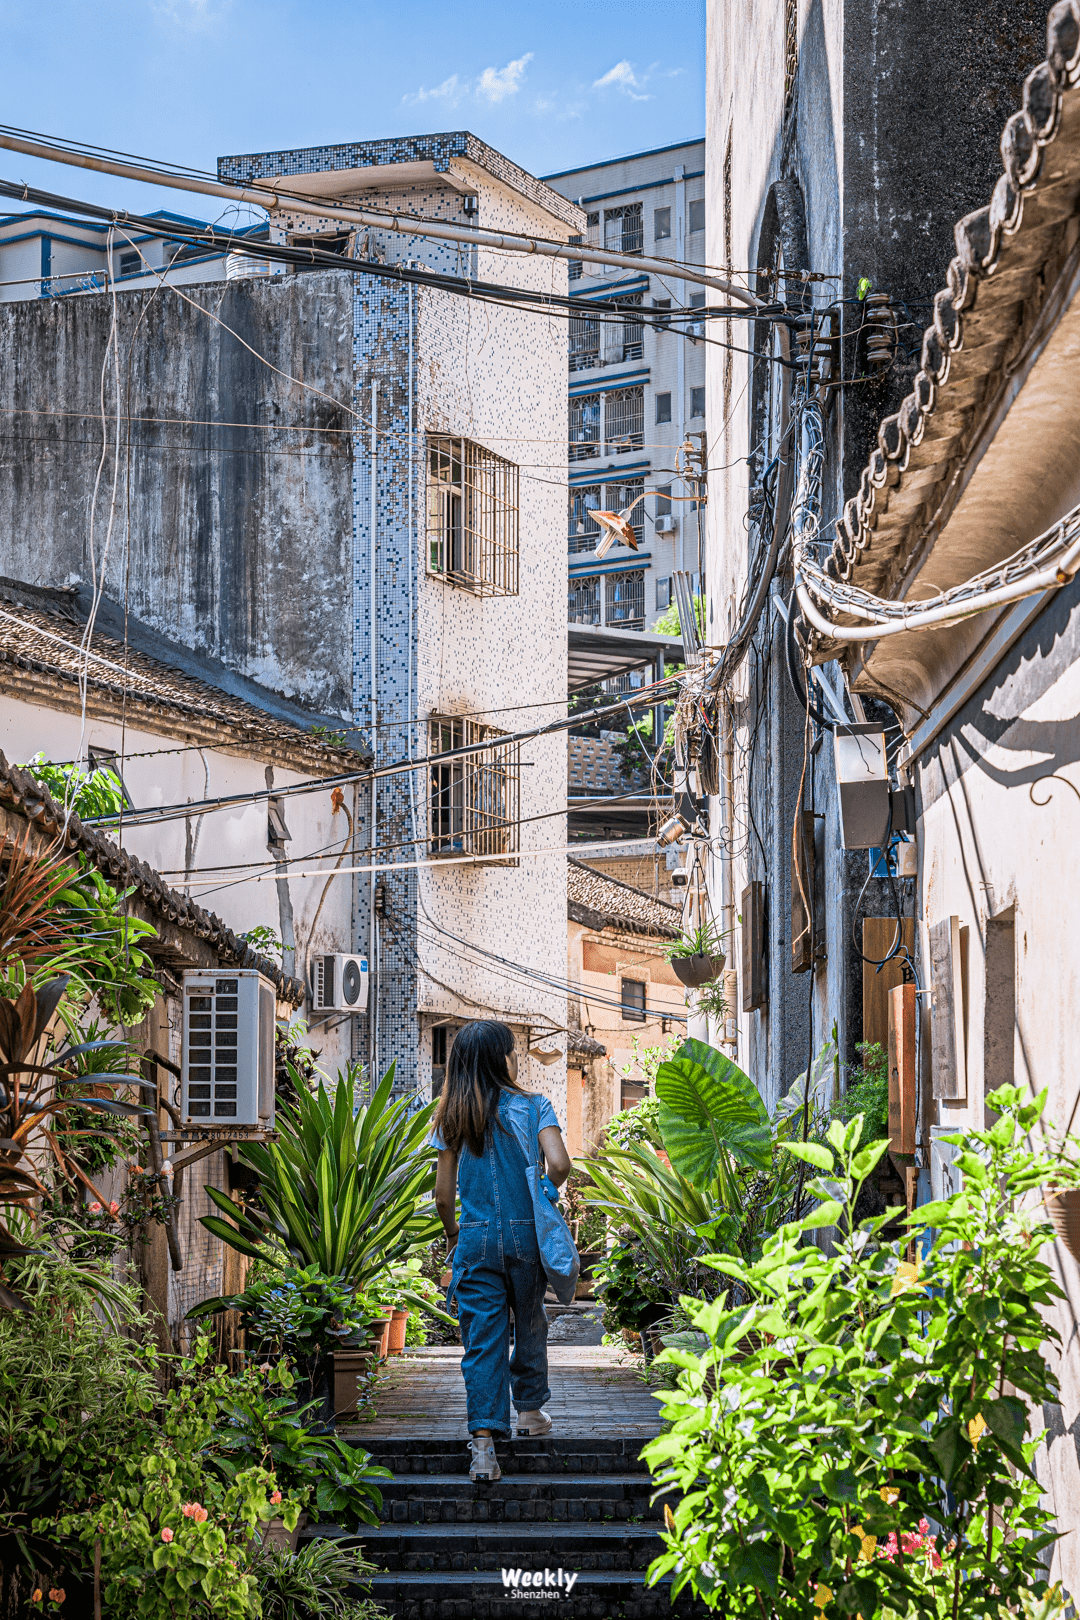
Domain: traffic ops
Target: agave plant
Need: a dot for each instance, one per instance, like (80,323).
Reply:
(34,1093)
(348,1189)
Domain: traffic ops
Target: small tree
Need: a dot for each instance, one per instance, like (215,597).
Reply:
(856,1440)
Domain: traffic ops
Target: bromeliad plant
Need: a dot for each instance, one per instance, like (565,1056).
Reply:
(859,1405)
(346,1189)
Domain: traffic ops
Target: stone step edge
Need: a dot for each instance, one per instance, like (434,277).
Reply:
(573,1529)
(493,1578)
(644,1481)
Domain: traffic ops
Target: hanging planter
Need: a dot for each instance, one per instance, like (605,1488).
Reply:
(1063,1208)
(699,969)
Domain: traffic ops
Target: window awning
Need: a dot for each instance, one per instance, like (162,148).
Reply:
(596,653)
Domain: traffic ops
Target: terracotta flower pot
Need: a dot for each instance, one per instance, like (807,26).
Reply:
(1063,1208)
(275,1534)
(349,1366)
(380,1335)
(396,1337)
(694,971)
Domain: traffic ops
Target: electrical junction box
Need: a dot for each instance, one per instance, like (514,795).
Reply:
(339,983)
(907,859)
(862,779)
(227,1064)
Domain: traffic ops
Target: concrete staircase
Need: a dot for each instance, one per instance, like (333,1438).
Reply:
(582,1507)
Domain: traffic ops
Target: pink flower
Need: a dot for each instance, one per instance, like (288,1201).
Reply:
(924,1527)
(95,1209)
(194,1510)
(166,1535)
(275,1497)
(114,1208)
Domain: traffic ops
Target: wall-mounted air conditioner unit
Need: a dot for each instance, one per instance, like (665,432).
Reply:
(227,1064)
(665,525)
(339,983)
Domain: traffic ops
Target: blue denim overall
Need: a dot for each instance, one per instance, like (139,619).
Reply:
(496,1270)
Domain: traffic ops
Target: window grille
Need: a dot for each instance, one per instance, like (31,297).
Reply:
(473,516)
(619,496)
(624,599)
(584,426)
(624,420)
(623,229)
(592,226)
(584,342)
(575,267)
(584,529)
(583,603)
(475,800)
(632,332)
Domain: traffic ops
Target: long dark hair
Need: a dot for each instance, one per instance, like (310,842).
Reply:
(476,1073)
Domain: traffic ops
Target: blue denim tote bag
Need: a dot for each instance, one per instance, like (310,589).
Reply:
(557,1251)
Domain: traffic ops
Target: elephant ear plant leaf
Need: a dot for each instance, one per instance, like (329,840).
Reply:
(711,1113)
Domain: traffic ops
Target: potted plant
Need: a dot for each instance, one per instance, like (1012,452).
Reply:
(698,957)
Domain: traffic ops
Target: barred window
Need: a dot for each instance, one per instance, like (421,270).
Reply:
(632,332)
(583,605)
(584,342)
(624,599)
(473,514)
(584,426)
(619,496)
(584,529)
(474,800)
(623,229)
(624,420)
(573,270)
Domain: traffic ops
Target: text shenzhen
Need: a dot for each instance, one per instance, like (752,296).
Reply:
(539,1583)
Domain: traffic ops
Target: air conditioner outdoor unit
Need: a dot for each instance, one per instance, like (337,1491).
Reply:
(227,1063)
(665,525)
(339,983)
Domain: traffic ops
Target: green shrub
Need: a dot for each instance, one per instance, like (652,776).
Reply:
(867,1092)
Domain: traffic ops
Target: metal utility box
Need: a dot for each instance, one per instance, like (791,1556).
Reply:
(862,779)
(227,1066)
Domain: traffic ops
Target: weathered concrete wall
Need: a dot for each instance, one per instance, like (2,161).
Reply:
(231,524)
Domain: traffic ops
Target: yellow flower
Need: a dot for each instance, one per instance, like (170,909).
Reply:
(976,1428)
(906,1276)
(669,1519)
(890,1494)
(869,1543)
(821,1597)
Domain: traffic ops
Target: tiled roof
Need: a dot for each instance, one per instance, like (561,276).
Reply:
(983,322)
(580,1049)
(595,766)
(185,930)
(604,902)
(41,659)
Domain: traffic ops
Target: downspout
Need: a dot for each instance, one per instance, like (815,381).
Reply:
(680,348)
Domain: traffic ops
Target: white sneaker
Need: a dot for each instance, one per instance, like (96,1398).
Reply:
(485,1464)
(532,1424)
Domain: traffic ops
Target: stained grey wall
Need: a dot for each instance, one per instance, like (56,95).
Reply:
(232,538)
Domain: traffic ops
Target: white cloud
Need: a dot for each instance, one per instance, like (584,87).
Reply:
(494,85)
(498,83)
(450,91)
(622,77)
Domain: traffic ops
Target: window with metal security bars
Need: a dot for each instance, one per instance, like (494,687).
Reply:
(632,329)
(624,599)
(584,342)
(617,497)
(584,530)
(583,604)
(623,229)
(474,802)
(624,420)
(584,426)
(573,269)
(473,516)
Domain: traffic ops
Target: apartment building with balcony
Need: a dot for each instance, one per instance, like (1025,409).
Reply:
(636,386)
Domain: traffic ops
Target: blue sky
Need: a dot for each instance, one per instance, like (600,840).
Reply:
(553,85)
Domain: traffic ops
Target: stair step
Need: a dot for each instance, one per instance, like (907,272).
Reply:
(611,1454)
(596,1595)
(443,1548)
(454,1498)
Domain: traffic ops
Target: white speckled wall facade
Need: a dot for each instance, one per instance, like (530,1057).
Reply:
(457,941)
